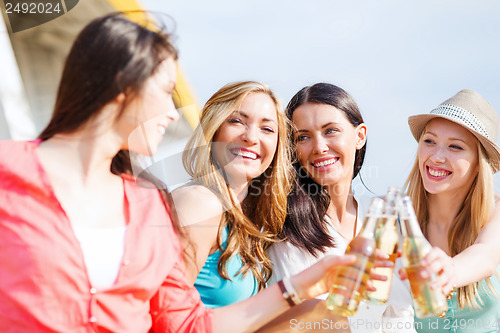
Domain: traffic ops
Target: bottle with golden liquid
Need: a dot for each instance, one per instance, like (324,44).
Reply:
(426,302)
(349,284)
(386,239)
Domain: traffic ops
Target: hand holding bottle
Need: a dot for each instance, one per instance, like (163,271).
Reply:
(437,263)
(387,241)
(427,302)
(350,283)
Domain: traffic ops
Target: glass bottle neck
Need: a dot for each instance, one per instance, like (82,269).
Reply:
(410,228)
(391,201)
(409,223)
(369,227)
(371,218)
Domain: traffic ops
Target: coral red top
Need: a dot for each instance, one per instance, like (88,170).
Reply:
(44,286)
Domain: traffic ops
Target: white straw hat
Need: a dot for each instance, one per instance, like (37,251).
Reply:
(468,109)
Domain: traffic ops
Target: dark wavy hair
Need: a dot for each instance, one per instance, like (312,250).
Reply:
(308,202)
(111,55)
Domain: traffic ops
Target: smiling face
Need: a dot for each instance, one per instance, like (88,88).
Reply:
(245,144)
(147,116)
(326,142)
(447,157)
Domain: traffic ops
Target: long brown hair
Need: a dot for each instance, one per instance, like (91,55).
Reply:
(111,55)
(305,225)
(473,215)
(253,227)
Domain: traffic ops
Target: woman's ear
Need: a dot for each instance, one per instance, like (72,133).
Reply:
(113,107)
(120,98)
(361,136)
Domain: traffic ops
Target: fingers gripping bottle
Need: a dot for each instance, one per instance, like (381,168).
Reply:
(426,302)
(350,282)
(386,239)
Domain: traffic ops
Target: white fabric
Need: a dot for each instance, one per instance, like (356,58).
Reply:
(289,260)
(102,252)
(398,316)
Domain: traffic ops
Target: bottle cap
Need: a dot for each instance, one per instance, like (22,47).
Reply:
(376,206)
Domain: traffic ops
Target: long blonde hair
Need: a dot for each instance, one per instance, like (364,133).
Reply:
(253,227)
(472,217)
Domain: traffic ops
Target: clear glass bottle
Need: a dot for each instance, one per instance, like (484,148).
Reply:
(387,240)
(349,284)
(426,301)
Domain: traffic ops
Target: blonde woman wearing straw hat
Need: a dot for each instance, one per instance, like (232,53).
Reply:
(451,185)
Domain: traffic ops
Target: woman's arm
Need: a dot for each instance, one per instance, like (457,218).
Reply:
(249,315)
(480,260)
(199,212)
(305,317)
(474,264)
(177,307)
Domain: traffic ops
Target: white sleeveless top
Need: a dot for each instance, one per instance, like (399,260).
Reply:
(102,252)
(289,260)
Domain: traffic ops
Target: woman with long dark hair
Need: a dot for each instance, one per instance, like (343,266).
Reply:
(324,214)
(329,140)
(86,244)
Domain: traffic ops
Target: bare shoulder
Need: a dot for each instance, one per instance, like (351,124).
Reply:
(195,204)
(199,195)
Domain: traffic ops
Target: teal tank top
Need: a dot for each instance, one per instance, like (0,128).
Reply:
(214,290)
(467,320)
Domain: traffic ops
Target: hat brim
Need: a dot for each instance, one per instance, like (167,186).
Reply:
(418,122)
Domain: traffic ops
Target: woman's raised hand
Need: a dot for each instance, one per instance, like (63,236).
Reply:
(437,263)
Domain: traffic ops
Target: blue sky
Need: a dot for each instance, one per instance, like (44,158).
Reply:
(396,58)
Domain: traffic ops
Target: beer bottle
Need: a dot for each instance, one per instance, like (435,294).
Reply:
(349,284)
(386,239)
(426,302)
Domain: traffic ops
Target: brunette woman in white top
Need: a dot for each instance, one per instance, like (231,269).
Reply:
(329,140)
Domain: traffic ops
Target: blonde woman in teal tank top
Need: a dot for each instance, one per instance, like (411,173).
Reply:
(235,204)
(451,186)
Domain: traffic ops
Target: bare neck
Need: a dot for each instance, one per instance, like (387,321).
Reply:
(78,168)
(444,207)
(341,201)
(84,156)
(240,191)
